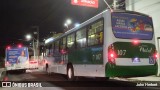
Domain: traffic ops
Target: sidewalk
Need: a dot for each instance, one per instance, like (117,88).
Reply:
(147,78)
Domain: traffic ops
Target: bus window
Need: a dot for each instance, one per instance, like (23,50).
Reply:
(95,33)
(71,41)
(81,38)
(63,44)
(57,46)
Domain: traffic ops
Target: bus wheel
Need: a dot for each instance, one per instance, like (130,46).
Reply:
(70,73)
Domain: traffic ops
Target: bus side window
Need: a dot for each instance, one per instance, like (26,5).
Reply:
(71,41)
(81,38)
(95,33)
(57,46)
(63,44)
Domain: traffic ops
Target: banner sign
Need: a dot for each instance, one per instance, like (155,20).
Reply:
(88,3)
(131,26)
(17,55)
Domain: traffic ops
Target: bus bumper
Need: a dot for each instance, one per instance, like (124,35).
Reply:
(112,70)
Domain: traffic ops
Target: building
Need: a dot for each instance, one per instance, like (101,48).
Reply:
(150,7)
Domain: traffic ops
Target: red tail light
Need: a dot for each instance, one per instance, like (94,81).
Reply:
(111,54)
(155,56)
(135,42)
(19,46)
(8,47)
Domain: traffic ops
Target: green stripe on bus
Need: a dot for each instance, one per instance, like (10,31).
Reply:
(92,55)
(113,70)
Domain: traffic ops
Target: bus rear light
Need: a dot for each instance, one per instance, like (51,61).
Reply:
(155,55)
(112,56)
(135,42)
(19,46)
(8,47)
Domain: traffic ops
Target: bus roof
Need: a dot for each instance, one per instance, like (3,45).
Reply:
(90,20)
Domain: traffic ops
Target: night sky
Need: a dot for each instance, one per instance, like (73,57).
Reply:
(18,16)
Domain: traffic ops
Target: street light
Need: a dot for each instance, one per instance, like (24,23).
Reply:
(77,25)
(28,37)
(67,23)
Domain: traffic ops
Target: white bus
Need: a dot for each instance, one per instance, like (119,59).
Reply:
(117,43)
(17,58)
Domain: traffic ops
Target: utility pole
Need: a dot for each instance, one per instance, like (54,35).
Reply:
(37,46)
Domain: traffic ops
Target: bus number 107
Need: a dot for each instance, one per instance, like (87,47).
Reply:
(122,52)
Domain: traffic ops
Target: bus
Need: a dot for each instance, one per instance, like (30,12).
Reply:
(17,58)
(111,44)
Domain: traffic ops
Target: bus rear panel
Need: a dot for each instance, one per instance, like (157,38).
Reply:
(132,52)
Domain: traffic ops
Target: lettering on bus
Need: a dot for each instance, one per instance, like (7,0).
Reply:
(97,56)
(145,49)
(122,52)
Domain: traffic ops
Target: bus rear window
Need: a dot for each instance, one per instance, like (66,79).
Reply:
(131,26)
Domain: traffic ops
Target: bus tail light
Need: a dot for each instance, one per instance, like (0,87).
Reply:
(135,42)
(155,56)
(111,54)
(19,45)
(8,47)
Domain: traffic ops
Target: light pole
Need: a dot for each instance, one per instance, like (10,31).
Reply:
(37,32)
(29,37)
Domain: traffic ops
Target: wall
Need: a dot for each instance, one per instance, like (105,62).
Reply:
(150,7)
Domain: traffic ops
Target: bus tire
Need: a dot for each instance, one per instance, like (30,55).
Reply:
(70,73)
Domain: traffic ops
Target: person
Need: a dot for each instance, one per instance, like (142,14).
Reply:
(22,58)
(47,67)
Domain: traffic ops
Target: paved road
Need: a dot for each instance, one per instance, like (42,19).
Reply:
(59,82)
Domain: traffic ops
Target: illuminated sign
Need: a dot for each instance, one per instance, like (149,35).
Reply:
(88,3)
